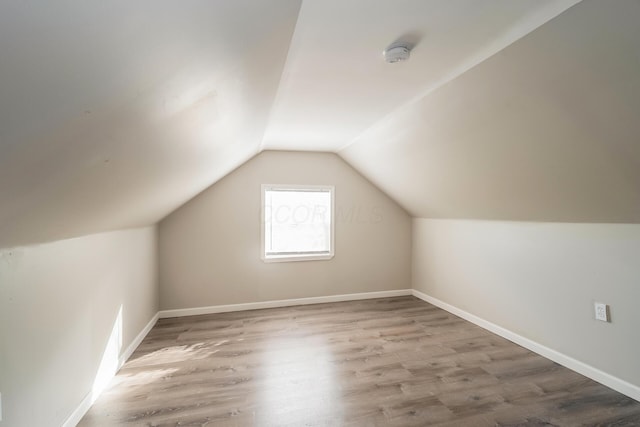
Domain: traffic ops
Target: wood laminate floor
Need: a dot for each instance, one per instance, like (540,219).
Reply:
(391,361)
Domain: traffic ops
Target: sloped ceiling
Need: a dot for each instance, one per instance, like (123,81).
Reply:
(335,84)
(548,129)
(113,114)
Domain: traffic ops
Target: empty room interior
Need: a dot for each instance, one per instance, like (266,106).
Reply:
(319,213)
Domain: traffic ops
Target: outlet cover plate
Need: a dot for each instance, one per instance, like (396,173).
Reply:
(601,311)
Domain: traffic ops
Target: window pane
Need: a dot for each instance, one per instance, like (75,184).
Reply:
(297,221)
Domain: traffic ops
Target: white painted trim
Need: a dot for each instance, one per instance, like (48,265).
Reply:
(589,371)
(89,399)
(331,189)
(126,354)
(281,303)
(79,412)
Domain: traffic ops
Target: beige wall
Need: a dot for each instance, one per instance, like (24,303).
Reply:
(209,249)
(59,303)
(540,280)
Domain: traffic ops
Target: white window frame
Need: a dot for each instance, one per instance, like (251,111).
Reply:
(311,256)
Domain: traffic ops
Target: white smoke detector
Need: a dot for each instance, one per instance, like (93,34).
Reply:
(396,53)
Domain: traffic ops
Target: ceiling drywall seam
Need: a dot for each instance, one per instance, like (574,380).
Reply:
(283,75)
(516,32)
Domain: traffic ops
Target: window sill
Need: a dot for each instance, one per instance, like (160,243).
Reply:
(294,258)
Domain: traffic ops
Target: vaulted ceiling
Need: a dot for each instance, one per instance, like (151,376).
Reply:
(113,114)
(547,129)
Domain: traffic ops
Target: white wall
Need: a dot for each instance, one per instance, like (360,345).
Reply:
(60,305)
(540,280)
(209,249)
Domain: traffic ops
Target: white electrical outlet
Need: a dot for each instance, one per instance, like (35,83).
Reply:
(602,311)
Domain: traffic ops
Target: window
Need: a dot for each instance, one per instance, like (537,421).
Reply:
(297,222)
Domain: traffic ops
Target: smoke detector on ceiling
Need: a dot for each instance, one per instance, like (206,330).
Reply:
(396,53)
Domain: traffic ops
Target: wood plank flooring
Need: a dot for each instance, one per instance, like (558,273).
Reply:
(384,362)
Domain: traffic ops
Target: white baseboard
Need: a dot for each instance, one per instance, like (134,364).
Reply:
(282,303)
(589,371)
(78,413)
(126,354)
(90,398)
